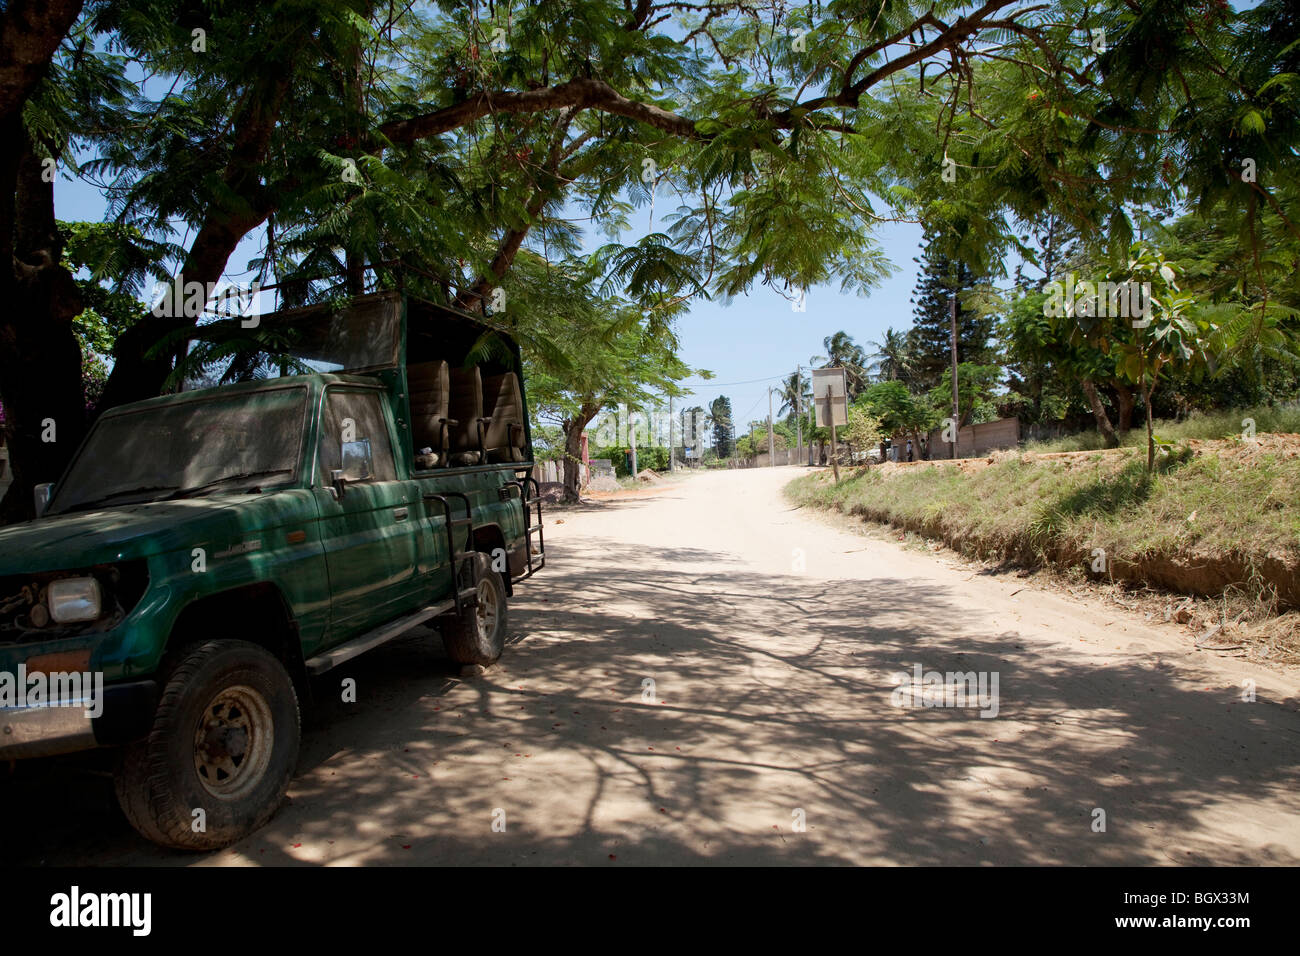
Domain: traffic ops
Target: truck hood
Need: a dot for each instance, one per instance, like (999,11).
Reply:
(123,532)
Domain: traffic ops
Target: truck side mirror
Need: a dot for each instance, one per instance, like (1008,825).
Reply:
(338,484)
(41,497)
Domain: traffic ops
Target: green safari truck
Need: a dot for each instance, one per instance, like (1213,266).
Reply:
(207,554)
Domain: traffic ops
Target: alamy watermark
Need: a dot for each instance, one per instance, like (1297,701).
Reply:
(53,689)
(176,299)
(650,428)
(962,689)
(74,909)
(1103,299)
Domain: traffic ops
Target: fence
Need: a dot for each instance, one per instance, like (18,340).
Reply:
(785,456)
(545,471)
(553,471)
(1039,431)
(976,440)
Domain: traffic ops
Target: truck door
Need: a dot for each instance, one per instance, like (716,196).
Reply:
(371,533)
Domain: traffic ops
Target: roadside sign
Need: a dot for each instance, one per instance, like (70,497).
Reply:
(830,396)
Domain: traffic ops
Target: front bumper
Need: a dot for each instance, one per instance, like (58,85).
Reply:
(127,711)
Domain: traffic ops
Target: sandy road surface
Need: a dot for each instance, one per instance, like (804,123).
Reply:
(772,695)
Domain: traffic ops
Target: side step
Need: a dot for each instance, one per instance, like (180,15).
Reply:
(380,635)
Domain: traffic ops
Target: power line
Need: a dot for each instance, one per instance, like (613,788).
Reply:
(771,378)
(751,408)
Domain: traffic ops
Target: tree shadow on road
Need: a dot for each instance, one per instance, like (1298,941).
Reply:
(771,695)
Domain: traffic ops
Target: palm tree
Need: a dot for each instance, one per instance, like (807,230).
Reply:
(843,352)
(795,393)
(893,358)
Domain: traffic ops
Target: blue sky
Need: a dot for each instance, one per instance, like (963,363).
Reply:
(760,336)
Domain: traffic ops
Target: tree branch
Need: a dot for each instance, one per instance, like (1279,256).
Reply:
(579,93)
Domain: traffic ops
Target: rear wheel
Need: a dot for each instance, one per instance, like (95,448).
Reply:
(217,762)
(478,635)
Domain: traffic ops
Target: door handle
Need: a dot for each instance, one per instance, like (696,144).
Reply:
(400,514)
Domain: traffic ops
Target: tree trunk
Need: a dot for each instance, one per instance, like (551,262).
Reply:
(140,363)
(1099,412)
(1124,414)
(40,358)
(30,33)
(1151,435)
(573,429)
(572,460)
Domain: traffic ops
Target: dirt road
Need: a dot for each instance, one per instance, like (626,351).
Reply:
(770,733)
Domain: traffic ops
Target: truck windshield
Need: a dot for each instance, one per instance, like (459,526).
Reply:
(218,445)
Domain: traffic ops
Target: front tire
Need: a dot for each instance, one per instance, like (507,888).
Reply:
(479,634)
(217,761)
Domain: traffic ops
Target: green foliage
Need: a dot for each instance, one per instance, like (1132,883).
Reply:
(756,442)
(894,358)
(772,162)
(1167,332)
(1042,362)
(897,410)
(976,385)
(863,430)
(1224,423)
(795,394)
(113,265)
(94,374)
(584,352)
(654,457)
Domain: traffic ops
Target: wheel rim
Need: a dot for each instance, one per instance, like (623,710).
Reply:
(488,610)
(232,742)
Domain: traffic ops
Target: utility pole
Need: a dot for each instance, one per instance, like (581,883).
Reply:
(631,430)
(798,417)
(672,461)
(830,417)
(771,448)
(952,319)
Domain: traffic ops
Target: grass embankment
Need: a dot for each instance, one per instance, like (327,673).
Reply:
(1216,514)
(1205,426)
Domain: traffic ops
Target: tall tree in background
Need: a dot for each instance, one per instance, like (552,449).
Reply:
(930,337)
(720,420)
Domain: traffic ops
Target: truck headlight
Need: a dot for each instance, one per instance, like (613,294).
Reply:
(73,600)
